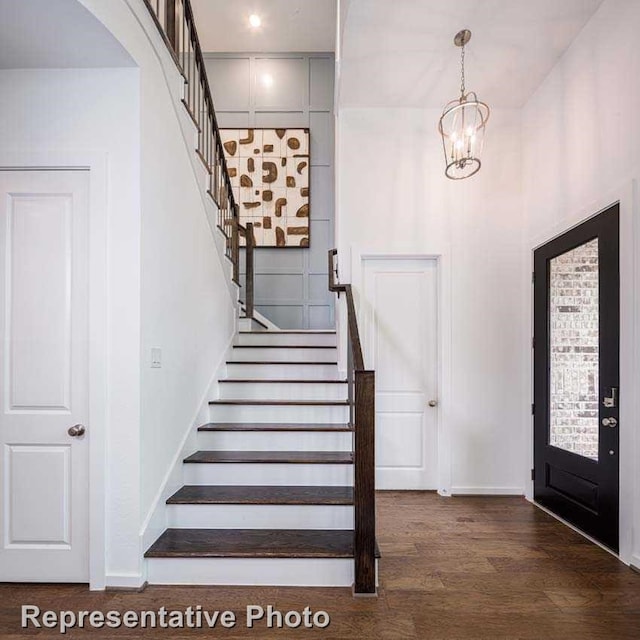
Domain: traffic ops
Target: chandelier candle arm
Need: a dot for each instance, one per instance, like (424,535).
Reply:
(462,125)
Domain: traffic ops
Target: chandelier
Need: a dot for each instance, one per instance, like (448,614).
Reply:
(462,125)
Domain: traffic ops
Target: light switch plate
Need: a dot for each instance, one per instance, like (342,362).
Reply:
(156,358)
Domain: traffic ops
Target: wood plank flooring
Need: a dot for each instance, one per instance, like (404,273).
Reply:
(451,569)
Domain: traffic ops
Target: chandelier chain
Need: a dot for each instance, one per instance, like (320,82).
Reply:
(462,78)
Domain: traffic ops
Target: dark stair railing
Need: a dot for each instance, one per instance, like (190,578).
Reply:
(175,21)
(361,394)
(249,247)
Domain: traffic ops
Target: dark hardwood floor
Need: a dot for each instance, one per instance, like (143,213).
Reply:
(451,569)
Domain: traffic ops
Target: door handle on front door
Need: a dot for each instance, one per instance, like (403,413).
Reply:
(433,403)
(609,422)
(612,399)
(76,431)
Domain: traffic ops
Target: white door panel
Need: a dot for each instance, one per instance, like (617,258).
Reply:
(43,378)
(400,325)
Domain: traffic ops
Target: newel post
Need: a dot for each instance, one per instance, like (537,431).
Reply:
(249,279)
(365,484)
(235,244)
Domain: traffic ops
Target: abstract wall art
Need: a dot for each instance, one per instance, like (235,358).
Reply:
(269,171)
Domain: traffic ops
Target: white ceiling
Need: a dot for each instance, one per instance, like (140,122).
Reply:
(55,34)
(400,53)
(287,25)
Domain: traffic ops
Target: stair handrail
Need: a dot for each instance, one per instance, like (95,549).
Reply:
(361,394)
(249,271)
(176,24)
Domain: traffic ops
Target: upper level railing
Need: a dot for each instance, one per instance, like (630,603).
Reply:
(175,21)
(361,390)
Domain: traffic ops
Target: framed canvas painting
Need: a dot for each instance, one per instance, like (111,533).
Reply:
(269,171)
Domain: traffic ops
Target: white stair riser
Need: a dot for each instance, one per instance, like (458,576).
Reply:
(252,516)
(282,391)
(340,475)
(274,441)
(279,413)
(256,354)
(282,371)
(294,572)
(273,337)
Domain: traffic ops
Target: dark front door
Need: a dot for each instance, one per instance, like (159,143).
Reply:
(576,376)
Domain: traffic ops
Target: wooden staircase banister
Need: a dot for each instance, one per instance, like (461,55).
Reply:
(250,245)
(176,23)
(361,394)
(354,334)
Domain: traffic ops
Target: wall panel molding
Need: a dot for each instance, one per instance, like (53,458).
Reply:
(301,94)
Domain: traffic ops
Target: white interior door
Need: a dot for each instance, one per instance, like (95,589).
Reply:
(43,384)
(400,312)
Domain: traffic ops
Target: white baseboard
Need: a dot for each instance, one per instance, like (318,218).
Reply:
(487,491)
(125,580)
(635,562)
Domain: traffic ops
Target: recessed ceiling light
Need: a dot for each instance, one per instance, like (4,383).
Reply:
(254,20)
(267,80)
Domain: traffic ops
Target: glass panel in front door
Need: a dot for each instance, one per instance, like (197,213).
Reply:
(574,350)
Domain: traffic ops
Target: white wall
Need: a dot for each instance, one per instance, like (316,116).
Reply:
(581,134)
(394,198)
(185,304)
(73,110)
(186,307)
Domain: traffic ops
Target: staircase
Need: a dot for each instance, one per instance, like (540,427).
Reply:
(281,488)
(268,497)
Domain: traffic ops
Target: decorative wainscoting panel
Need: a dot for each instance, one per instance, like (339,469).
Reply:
(269,170)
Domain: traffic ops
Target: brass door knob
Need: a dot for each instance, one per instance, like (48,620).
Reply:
(76,431)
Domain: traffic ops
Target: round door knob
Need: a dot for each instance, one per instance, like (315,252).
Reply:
(433,403)
(609,422)
(76,431)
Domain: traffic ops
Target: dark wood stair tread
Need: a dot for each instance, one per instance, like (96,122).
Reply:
(267,426)
(280,381)
(310,332)
(241,494)
(283,346)
(275,362)
(272,457)
(253,543)
(283,403)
